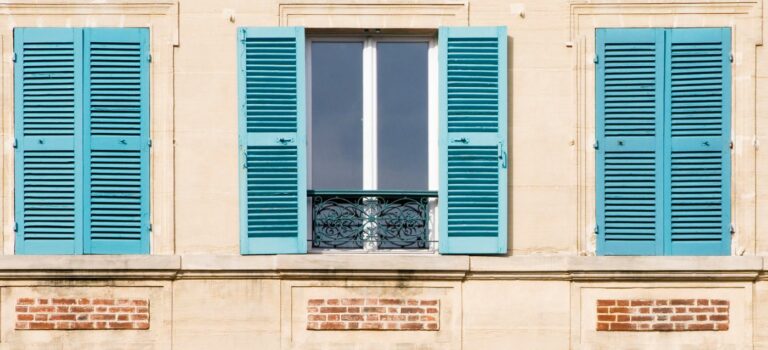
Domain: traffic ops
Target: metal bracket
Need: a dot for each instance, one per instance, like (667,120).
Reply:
(595,59)
(596,230)
(596,145)
(15,142)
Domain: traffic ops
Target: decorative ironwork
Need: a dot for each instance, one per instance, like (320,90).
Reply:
(370,219)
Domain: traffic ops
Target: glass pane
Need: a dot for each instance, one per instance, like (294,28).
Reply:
(402,115)
(337,113)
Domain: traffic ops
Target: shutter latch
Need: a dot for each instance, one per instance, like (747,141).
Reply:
(502,156)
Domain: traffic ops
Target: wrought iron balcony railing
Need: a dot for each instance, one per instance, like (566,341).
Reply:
(371,219)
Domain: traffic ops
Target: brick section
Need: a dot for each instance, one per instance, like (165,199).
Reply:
(646,315)
(81,314)
(379,314)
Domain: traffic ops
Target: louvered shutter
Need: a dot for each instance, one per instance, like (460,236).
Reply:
(116,148)
(697,148)
(272,140)
(629,107)
(47,98)
(473,140)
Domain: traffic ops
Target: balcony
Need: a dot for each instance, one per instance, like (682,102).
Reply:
(372,220)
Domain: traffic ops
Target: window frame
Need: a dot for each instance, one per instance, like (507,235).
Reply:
(370,121)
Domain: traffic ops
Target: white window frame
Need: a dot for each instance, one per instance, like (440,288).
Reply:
(370,161)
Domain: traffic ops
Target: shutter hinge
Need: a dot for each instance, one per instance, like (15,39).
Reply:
(150,227)
(14,57)
(149,57)
(595,59)
(15,142)
(596,145)
(596,230)
(733,230)
(15,227)
(502,156)
(730,57)
(731,144)
(149,142)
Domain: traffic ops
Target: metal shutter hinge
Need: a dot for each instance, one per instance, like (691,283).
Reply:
(149,142)
(596,230)
(15,143)
(731,144)
(595,59)
(502,156)
(15,227)
(149,57)
(14,57)
(150,227)
(596,145)
(730,57)
(733,230)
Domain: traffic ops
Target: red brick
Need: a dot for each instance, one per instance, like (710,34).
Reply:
(353,309)
(371,325)
(41,325)
(41,317)
(83,301)
(702,302)
(22,325)
(122,317)
(622,302)
(371,301)
(718,317)
(606,318)
(719,302)
(682,302)
(84,325)
(661,302)
(642,318)
(64,301)
(122,309)
(22,308)
(353,301)
(25,317)
(721,326)
(602,302)
(413,302)
(622,318)
(427,318)
(62,317)
(42,309)
(81,309)
(602,310)
(412,310)
(316,317)
(680,310)
(311,309)
(353,325)
(332,302)
(602,326)
(701,309)
(701,317)
(679,326)
(42,301)
(413,326)
(644,310)
(431,310)
(642,302)
(623,326)
(375,309)
(352,317)
(373,317)
(681,318)
(334,317)
(25,301)
(120,325)
(103,302)
(432,326)
(412,318)
(428,302)
(62,309)
(103,317)
(662,310)
(391,325)
(722,309)
(662,327)
(141,325)
(390,301)
(392,310)
(701,326)
(619,310)
(140,302)
(65,325)
(333,309)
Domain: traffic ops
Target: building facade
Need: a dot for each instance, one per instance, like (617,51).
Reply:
(383,174)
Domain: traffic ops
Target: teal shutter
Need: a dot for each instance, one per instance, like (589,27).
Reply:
(698,89)
(663,128)
(48,126)
(473,140)
(116,144)
(272,140)
(629,108)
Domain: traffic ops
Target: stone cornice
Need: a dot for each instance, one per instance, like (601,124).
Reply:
(384,267)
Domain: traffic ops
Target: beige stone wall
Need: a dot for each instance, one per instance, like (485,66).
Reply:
(204,295)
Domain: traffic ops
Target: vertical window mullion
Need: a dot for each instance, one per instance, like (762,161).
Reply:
(369,111)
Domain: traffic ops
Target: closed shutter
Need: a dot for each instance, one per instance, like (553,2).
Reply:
(473,140)
(663,158)
(272,140)
(630,141)
(48,176)
(698,149)
(116,145)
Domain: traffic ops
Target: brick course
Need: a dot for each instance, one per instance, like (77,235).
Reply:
(386,314)
(81,313)
(662,315)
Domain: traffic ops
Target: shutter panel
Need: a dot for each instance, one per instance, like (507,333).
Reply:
(698,148)
(272,140)
(47,99)
(473,140)
(629,112)
(116,140)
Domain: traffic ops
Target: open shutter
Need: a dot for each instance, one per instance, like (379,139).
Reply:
(629,88)
(48,176)
(473,140)
(272,140)
(697,147)
(116,145)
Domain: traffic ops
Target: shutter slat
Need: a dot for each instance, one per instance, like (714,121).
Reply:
(273,191)
(473,140)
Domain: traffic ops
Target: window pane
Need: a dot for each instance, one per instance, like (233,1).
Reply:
(402,115)
(337,112)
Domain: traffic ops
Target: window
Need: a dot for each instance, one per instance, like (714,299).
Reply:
(369,115)
(663,129)
(81,102)
(353,136)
